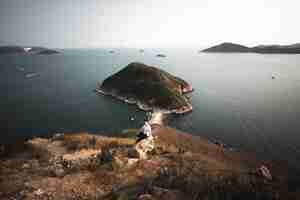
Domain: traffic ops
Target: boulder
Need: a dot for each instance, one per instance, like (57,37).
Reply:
(59,172)
(166,194)
(146,197)
(107,155)
(25,166)
(265,172)
(58,136)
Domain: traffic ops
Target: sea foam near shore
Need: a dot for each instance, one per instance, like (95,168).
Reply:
(143,106)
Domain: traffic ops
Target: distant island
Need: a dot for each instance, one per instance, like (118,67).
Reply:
(48,52)
(36,49)
(11,50)
(161,55)
(148,87)
(227,47)
(237,48)
(6,50)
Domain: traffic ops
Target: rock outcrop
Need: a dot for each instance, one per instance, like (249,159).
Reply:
(148,87)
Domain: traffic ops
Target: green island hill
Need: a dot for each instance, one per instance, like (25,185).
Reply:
(149,87)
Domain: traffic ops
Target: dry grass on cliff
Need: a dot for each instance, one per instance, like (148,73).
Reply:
(74,142)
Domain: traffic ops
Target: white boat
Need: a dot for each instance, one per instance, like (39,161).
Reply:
(27,49)
(31,75)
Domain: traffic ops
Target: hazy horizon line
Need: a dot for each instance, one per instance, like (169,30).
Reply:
(175,46)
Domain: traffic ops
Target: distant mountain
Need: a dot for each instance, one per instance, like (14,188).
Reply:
(236,48)
(11,50)
(228,47)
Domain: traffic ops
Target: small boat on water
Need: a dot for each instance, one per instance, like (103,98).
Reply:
(27,49)
(31,75)
(99,91)
(22,69)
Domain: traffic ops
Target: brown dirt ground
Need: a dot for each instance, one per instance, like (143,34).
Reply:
(182,166)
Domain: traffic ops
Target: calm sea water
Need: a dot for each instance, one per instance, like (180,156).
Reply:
(235,99)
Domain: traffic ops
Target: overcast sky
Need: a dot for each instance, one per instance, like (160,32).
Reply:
(148,23)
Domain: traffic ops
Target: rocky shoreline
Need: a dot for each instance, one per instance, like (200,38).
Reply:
(144,107)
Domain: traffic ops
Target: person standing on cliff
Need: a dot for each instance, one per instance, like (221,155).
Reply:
(145,141)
